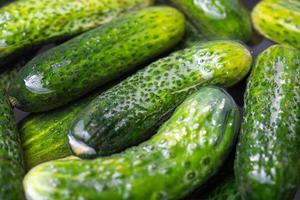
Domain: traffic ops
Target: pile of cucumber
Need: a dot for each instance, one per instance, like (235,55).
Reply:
(130,100)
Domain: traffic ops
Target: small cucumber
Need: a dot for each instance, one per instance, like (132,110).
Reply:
(24,23)
(268,162)
(278,20)
(218,18)
(11,160)
(127,113)
(187,150)
(86,62)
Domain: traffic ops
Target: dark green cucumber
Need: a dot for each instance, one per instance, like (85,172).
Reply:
(44,136)
(86,62)
(30,22)
(218,18)
(187,150)
(278,20)
(11,159)
(268,162)
(127,113)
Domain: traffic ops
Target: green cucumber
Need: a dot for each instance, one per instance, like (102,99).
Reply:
(268,163)
(187,150)
(11,160)
(278,20)
(127,113)
(90,60)
(30,22)
(48,130)
(218,18)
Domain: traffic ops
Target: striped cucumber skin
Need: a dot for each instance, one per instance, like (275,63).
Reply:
(278,20)
(44,135)
(268,163)
(218,18)
(187,150)
(32,22)
(86,62)
(11,160)
(127,113)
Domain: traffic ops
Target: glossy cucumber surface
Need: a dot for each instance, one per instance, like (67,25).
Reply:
(11,160)
(218,18)
(127,113)
(92,59)
(30,22)
(268,163)
(278,20)
(187,150)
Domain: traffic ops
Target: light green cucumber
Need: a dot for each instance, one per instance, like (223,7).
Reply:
(278,20)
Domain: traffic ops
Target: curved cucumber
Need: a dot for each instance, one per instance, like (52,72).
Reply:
(268,163)
(44,136)
(11,160)
(127,114)
(29,22)
(278,20)
(218,18)
(86,62)
(187,150)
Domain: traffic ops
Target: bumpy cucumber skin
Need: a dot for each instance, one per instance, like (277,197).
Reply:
(278,20)
(127,113)
(268,163)
(187,150)
(11,160)
(88,61)
(29,22)
(218,18)
(44,136)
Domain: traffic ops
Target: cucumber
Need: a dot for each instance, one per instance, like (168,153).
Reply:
(268,163)
(129,112)
(207,121)
(11,161)
(48,130)
(86,62)
(218,18)
(278,20)
(30,22)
